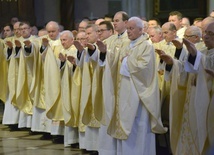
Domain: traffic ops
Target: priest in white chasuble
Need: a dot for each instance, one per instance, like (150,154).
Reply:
(42,114)
(4,71)
(28,48)
(200,101)
(67,57)
(191,121)
(103,86)
(87,60)
(139,102)
(76,86)
(11,111)
(106,109)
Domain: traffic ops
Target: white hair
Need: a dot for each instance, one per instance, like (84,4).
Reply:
(67,32)
(137,20)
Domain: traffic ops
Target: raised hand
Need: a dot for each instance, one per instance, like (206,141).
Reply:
(78,46)
(210,72)
(45,42)
(90,46)
(101,46)
(27,43)
(62,57)
(9,44)
(177,44)
(190,47)
(159,52)
(71,59)
(18,43)
(167,59)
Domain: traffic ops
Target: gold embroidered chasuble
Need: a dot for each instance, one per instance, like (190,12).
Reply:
(118,128)
(183,125)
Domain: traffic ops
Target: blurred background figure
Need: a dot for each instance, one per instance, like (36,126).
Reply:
(153,22)
(185,22)
(14,20)
(7,31)
(34,30)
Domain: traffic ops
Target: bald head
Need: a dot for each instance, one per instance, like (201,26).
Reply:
(209,36)
(206,21)
(82,25)
(170,26)
(169,31)
(98,21)
(53,30)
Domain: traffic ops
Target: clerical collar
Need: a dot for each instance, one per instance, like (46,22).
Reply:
(119,35)
(132,43)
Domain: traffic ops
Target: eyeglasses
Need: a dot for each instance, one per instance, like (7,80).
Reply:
(102,30)
(189,36)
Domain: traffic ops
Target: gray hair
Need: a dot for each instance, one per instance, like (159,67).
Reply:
(68,33)
(137,20)
(195,31)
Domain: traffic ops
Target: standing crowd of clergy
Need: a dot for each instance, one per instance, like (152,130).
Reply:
(115,87)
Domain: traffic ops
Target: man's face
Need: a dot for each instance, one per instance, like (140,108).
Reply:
(209,36)
(155,36)
(7,31)
(91,35)
(66,41)
(82,26)
(103,32)
(25,30)
(174,19)
(119,24)
(152,23)
(133,31)
(168,35)
(81,37)
(190,36)
(53,32)
(16,30)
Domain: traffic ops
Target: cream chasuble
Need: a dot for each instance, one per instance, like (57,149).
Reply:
(87,108)
(97,88)
(39,97)
(27,76)
(188,133)
(52,87)
(142,68)
(109,82)
(13,73)
(4,73)
(70,111)
(39,94)
(76,97)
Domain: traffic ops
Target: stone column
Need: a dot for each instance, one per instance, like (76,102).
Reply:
(210,6)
